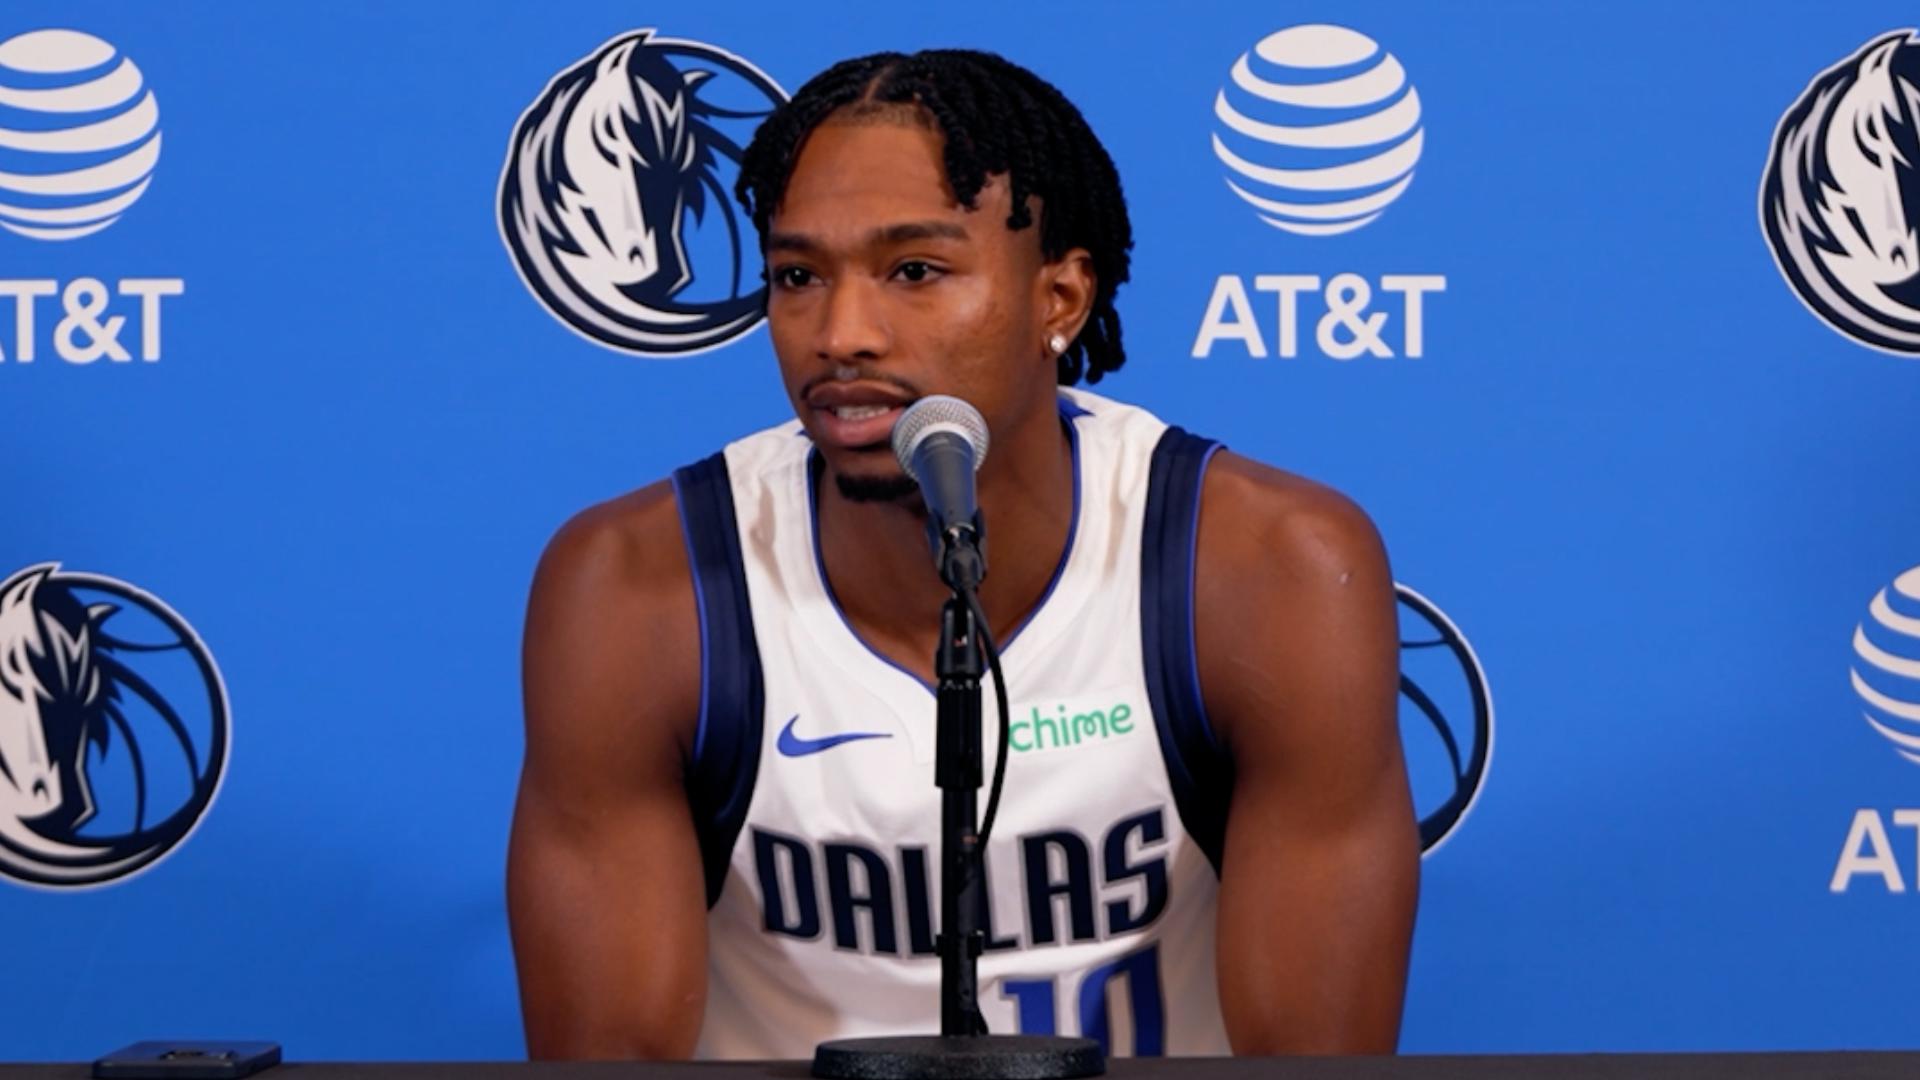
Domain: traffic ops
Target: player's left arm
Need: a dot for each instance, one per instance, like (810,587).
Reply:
(1298,646)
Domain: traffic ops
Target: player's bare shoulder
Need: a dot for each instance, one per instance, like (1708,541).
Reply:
(612,632)
(629,543)
(1267,522)
(1287,569)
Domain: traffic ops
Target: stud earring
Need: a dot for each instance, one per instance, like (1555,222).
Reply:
(1057,343)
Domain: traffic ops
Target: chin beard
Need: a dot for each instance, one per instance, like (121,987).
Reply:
(872,489)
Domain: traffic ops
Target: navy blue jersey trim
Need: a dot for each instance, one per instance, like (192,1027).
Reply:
(700,609)
(1197,766)
(726,745)
(1069,413)
(815,465)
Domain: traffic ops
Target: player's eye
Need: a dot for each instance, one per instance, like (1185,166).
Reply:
(915,270)
(792,277)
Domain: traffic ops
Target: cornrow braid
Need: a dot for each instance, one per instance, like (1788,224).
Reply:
(996,118)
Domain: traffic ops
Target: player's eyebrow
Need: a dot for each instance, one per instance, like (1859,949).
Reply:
(888,234)
(786,241)
(920,230)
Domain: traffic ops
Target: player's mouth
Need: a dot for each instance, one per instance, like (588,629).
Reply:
(856,427)
(855,417)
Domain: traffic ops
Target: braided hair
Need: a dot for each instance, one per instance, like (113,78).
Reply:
(996,118)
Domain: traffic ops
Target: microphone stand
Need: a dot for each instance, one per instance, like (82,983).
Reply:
(963,1050)
(959,663)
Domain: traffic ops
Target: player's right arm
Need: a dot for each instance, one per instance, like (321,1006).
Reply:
(605,893)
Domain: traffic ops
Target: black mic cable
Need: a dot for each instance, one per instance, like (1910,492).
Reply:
(941,442)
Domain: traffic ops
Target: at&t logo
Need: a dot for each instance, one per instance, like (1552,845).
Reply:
(1886,665)
(113,728)
(1886,676)
(1835,203)
(1335,149)
(79,142)
(90,138)
(615,197)
(1318,129)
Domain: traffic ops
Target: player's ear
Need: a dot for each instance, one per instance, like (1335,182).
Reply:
(1070,283)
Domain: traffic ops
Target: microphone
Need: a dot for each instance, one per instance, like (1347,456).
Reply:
(940,441)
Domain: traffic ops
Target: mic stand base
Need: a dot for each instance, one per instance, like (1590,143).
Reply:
(959,1057)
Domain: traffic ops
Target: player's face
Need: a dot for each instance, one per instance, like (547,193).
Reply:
(886,289)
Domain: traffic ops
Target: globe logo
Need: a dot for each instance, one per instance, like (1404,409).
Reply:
(79,134)
(1446,717)
(1319,130)
(1886,669)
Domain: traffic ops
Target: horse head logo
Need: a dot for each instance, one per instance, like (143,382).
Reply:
(71,691)
(1841,194)
(51,705)
(607,170)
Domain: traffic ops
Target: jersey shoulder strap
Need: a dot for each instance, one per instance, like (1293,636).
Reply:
(726,744)
(1199,769)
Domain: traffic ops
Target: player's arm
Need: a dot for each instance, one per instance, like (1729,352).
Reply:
(605,892)
(1298,648)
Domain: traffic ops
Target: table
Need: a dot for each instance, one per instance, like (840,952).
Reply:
(1771,1066)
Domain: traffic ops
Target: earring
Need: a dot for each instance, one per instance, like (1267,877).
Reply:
(1057,343)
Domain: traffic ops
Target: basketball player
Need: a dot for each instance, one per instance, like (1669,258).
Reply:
(727,834)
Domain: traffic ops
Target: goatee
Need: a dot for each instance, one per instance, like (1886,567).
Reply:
(871,489)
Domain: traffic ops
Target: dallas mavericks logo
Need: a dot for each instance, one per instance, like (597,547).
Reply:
(1886,668)
(1841,194)
(1319,129)
(113,728)
(79,134)
(1446,717)
(615,202)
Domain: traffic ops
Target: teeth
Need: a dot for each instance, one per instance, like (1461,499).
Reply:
(861,412)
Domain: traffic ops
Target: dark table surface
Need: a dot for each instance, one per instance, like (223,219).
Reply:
(1786,1066)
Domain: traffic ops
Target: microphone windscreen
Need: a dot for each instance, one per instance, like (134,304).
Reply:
(938,412)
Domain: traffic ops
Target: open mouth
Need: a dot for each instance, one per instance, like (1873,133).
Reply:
(863,426)
(851,413)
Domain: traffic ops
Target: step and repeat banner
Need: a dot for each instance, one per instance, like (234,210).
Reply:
(315,324)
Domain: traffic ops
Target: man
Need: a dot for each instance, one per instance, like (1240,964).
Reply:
(727,830)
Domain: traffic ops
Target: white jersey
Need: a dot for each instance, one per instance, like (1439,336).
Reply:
(812,775)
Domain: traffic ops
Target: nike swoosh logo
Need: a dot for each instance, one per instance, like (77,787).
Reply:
(794,746)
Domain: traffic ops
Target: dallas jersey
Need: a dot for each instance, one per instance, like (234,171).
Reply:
(812,788)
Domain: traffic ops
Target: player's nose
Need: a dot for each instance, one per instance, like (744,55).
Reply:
(853,324)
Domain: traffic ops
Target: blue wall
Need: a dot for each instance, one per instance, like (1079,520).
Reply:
(1654,489)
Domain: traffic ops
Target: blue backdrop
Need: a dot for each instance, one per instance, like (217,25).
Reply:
(1654,489)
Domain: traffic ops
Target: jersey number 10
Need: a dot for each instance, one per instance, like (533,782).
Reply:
(1034,1001)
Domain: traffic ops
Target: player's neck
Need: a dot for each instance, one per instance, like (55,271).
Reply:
(877,560)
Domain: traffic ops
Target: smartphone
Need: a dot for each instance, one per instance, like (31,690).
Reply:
(187,1059)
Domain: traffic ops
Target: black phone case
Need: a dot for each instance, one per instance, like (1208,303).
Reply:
(187,1059)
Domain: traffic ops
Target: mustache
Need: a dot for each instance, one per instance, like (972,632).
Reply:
(853,373)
